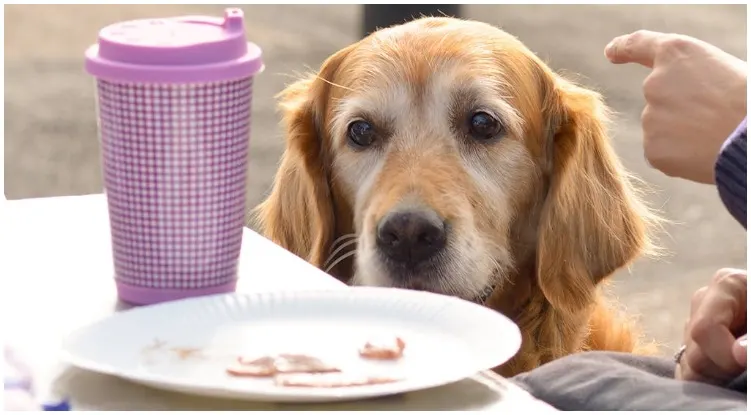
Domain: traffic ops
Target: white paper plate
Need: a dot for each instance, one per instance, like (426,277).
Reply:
(186,345)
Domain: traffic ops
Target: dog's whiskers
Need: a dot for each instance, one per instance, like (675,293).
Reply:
(345,240)
(334,84)
(340,240)
(333,254)
(340,259)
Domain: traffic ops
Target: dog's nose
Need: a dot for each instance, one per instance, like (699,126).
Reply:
(410,237)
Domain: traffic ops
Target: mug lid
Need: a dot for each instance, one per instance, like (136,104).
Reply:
(188,49)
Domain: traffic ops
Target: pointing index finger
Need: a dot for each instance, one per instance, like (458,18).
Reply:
(638,47)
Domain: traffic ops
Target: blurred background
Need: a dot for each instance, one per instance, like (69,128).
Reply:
(51,146)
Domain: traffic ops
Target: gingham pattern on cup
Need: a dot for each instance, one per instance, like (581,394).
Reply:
(175,161)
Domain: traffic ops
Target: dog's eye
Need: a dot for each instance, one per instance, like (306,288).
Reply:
(361,134)
(483,126)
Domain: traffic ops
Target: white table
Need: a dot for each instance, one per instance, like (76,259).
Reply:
(57,276)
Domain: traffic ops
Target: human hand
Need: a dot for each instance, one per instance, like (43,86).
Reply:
(712,353)
(695,98)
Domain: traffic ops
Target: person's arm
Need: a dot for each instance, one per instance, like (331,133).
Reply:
(730,173)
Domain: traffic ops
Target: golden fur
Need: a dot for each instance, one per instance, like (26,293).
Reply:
(543,216)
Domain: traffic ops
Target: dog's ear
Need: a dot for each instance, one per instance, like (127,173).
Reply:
(298,214)
(592,222)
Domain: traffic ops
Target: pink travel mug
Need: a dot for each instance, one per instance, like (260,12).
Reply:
(173,101)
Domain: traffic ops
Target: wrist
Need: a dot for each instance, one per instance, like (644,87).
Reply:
(734,114)
(739,100)
(730,173)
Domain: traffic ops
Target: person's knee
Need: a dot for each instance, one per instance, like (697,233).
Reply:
(558,375)
(584,365)
(612,381)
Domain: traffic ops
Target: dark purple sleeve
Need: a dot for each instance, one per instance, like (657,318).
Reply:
(730,173)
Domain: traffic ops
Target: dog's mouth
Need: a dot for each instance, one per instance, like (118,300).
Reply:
(433,277)
(479,298)
(346,246)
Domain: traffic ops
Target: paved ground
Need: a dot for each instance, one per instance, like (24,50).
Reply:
(51,145)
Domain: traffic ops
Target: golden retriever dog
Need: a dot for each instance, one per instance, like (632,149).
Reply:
(443,155)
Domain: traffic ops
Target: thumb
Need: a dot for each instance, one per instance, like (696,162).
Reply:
(638,47)
(740,350)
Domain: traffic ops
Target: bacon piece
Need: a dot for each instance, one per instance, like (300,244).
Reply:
(391,349)
(298,363)
(330,380)
(268,366)
(262,367)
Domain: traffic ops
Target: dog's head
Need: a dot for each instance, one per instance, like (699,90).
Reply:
(452,155)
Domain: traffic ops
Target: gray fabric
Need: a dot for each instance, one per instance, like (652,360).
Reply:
(739,383)
(608,381)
